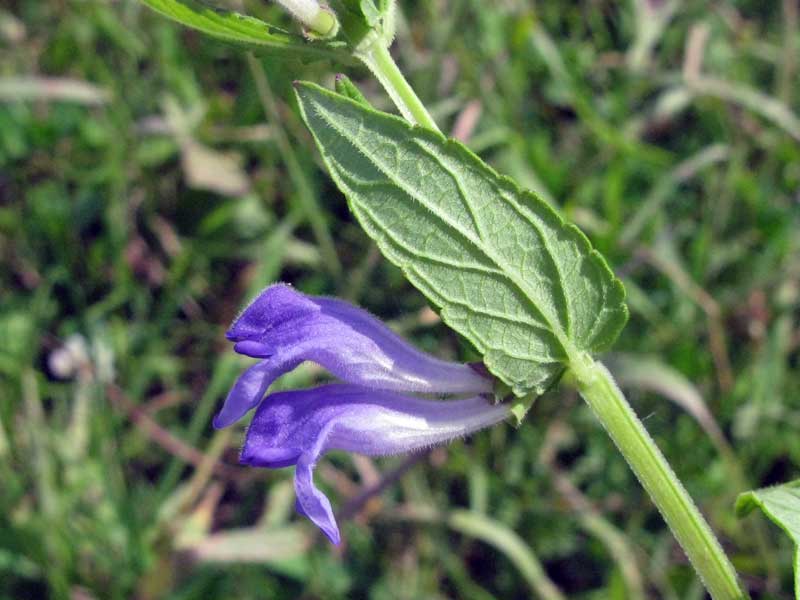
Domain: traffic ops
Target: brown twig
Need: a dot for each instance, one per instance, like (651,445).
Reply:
(695,50)
(163,401)
(155,432)
(355,504)
(467,120)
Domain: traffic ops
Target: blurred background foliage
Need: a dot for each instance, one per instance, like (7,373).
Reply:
(152,180)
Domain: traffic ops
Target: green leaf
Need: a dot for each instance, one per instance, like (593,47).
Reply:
(235,27)
(781,504)
(370,12)
(509,274)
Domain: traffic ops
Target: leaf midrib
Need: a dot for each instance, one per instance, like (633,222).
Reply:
(403,247)
(521,211)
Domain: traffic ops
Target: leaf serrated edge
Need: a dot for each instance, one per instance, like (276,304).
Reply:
(507,185)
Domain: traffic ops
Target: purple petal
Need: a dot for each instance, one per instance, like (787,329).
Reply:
(286,328)
(348,341)
(249,389)
(311,502)
(305,424)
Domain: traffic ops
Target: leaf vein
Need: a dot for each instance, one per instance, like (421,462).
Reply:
(555,328)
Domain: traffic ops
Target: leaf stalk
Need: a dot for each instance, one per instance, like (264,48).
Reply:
(379,60)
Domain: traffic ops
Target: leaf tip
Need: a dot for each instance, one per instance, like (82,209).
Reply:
(301,91)
(305,89)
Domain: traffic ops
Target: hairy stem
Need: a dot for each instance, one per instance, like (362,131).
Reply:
(599,389)
(380,62)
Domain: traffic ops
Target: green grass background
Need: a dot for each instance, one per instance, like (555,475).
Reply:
(165,178)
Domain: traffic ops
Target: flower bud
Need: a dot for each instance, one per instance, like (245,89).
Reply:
(319,21)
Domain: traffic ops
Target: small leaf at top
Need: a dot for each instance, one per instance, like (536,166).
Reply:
(371,12)
(235,27)
(345,87)
(781,504)
(509,274)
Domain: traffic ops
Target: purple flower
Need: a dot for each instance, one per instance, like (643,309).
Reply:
(367,414)
(285,328)
(297,427)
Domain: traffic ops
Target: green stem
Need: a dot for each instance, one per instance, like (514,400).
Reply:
(380,62)
(599,389)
